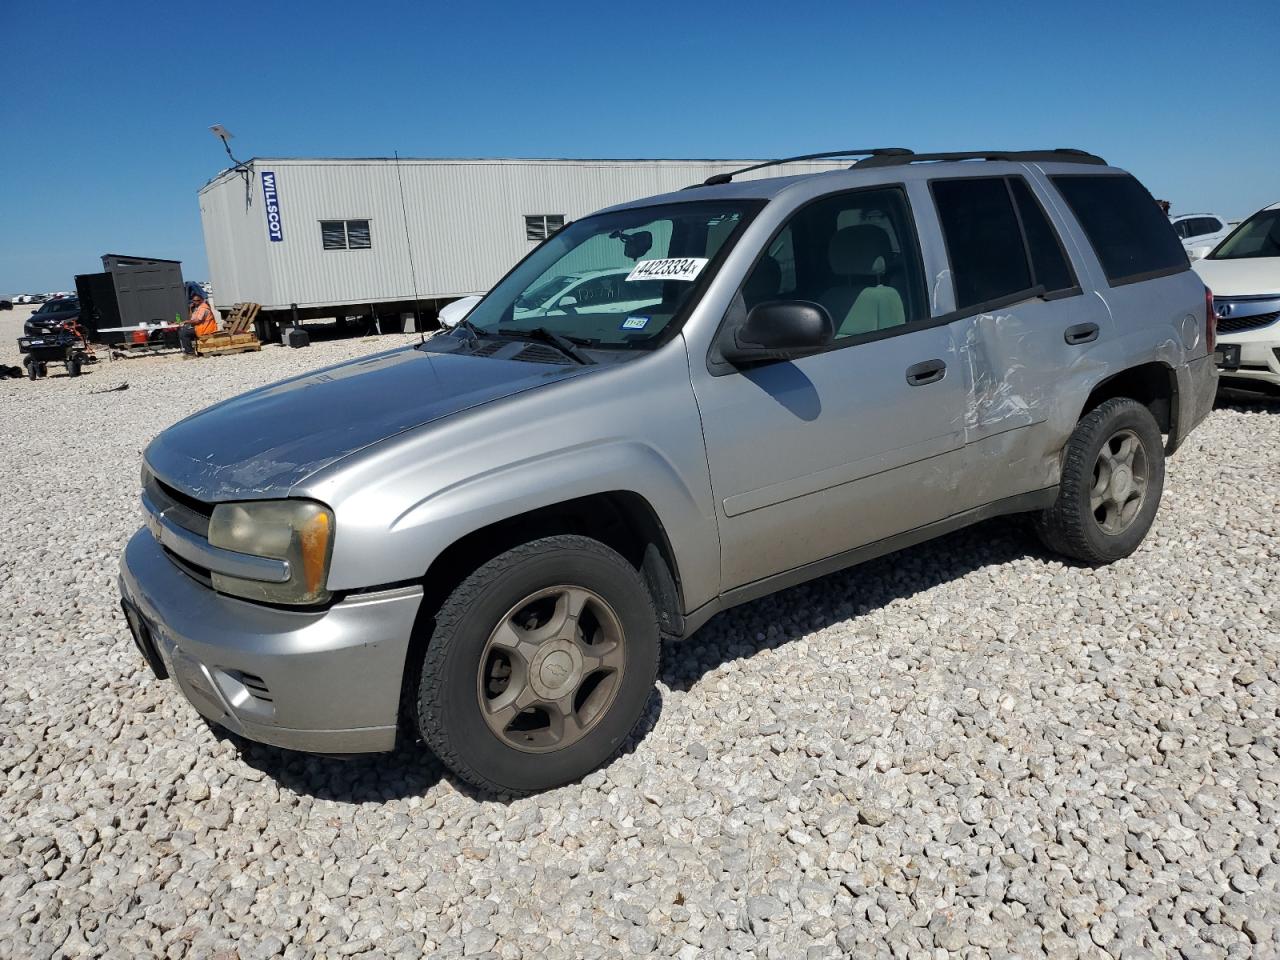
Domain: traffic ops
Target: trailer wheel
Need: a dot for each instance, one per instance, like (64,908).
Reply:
(33,370)
(73,367)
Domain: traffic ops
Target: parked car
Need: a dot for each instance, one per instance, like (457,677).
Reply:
(833,367)
(1244,274)
(6,304)
(1199,232)
(51,315)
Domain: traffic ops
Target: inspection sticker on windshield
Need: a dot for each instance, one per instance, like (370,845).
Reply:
(635,323)
(677,268)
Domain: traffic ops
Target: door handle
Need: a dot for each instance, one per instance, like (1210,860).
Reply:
(928,371)
(1081,333)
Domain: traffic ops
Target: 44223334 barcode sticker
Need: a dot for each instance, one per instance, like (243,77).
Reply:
(676,268)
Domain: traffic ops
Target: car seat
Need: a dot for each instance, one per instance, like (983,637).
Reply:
(861,302)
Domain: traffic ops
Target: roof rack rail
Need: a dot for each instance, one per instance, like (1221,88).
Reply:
(718,179)
(1058,155)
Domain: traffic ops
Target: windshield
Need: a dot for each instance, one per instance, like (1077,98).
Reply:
(615,280)
(540,293)
(59,306)
(1259,236)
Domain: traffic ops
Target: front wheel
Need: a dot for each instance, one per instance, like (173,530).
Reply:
(539,665)
(1112,479)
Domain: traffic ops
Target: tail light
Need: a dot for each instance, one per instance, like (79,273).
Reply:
(1210,321)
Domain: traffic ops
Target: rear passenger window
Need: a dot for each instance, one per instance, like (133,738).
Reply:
(1132,238)
(854,253)
(1049,265)
(984,243)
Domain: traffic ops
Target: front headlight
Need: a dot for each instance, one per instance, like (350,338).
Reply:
(300,532)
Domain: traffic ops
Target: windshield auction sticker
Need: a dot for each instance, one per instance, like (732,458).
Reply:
(678,268)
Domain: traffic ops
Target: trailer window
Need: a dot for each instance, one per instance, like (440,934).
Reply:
(358,235)
(539,226)
(345,235)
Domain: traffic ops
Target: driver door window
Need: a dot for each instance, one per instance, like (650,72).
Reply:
(856,255)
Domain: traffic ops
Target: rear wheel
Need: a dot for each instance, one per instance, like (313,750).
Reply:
(73,367)
(539,665)
(33,370)
(1112,479)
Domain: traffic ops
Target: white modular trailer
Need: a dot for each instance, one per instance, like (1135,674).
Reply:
(329,235)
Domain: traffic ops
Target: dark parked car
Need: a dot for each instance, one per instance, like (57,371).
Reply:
(51,315)
(6,304)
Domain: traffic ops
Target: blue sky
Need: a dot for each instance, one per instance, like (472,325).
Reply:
(104,109)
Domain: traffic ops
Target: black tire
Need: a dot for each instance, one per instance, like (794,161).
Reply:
(1070,527)
(447,711)
(33,370)
(73,367)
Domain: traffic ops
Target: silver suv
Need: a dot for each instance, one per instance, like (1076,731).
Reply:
(484,539)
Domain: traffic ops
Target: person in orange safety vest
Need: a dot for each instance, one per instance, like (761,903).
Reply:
(202,323)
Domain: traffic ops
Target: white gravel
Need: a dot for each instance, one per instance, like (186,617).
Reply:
(964,748)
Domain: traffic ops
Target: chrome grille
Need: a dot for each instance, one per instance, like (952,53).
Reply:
(187,512)
(194,571)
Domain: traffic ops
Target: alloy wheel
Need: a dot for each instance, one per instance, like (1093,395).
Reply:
(1120,478)
(551,668)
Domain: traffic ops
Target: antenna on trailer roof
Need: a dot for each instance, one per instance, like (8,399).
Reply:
(413,273)
(223,134)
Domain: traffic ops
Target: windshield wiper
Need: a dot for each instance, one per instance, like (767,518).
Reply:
(472,329)
(561,343)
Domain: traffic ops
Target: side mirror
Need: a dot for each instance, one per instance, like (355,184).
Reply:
(452,314)
(779,330)
(567,302)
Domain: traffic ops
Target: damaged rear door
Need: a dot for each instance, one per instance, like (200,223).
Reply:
(1026,328)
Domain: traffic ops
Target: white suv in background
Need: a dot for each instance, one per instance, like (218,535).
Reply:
(1199,232)
(1244,275)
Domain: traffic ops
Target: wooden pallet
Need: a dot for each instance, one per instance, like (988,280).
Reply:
(234,337)
(216,344)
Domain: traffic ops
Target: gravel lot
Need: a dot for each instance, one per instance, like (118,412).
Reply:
(964,748)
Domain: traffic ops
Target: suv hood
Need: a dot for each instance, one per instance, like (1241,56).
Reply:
(1249,277)
(264,442)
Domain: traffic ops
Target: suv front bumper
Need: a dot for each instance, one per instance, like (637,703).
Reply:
(325,681)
